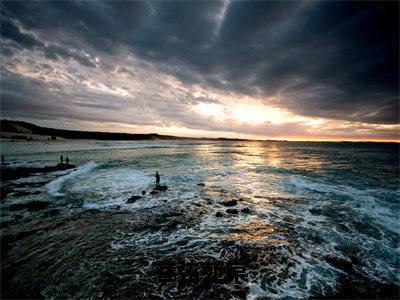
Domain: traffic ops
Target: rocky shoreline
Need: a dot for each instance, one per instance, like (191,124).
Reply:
(47,252)
(71,257)
(12,173)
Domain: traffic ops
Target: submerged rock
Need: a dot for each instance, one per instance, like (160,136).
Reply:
(245,210)
(18,217)
(52,212)
(5,224)
(133,199)
(25,193)
(4,191)
(232,211)
(229,203)
(30,206)
(218,214)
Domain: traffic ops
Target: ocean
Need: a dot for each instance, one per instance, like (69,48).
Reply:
(312,219)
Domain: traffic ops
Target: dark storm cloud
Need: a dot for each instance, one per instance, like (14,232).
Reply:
(334,60)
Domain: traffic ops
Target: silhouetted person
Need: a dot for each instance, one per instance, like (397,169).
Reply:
(61,159)
(67,160)
(2,159)
(157,179)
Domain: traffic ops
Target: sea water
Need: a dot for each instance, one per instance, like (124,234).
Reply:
(308,201)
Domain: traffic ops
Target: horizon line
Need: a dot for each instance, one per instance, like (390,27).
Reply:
(222,138)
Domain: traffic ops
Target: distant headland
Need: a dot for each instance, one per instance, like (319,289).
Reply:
(20,130)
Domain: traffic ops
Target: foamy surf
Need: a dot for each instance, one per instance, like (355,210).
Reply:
(305,233)
(54,186)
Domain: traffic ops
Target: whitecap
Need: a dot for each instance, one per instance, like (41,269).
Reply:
(54,186)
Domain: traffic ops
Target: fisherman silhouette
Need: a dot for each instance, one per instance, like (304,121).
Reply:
(61,159)
(157,179)
(67,160)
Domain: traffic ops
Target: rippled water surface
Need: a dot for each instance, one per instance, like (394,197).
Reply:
(319,213)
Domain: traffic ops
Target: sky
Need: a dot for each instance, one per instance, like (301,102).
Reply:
(302,70)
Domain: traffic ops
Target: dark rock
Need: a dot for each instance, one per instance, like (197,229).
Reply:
(218,214)
(153,192)
(30,206)
(209,201)
(201,184)
(143,193)
(36,205)
(245,210)
(25,193)
(52,212)
(232,211)
(17,206)
(31,184)
(17,217)
(118,207)
(161,188)
(339,263)
(8,173)
(5,224)
(133,199)
(229,203)
(4,191)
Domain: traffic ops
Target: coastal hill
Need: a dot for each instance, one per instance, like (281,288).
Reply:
(19,130)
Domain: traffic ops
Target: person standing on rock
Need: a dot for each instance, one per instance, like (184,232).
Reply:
(61,159)
(67,161)
(157,179)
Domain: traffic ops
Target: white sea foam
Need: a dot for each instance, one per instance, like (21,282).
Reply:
(54,186)
(363,201)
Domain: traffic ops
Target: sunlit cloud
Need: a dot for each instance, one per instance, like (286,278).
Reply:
(235,69)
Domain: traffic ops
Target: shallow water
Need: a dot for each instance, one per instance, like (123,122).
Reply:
(313,207)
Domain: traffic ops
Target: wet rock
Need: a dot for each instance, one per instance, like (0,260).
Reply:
(25,193)
(232,211)
(153,192)
(30,184)
(17,217)
(209,201)
(8,173)
(161,188)
(245,210)
(133,199)
(30,206)
(4,191)
(118,207)
(229,203)
(5,224)
(218,214)
(339,263)
(143,193)
(17,206)
(201,184)
(52,212)
(316,211)
(37,205)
